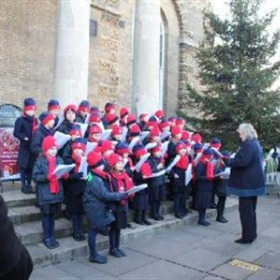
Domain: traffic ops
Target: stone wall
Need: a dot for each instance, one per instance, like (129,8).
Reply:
(110,69)
(27,50)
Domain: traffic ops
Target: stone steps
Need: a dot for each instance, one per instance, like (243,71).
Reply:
(26,218)
(70,249)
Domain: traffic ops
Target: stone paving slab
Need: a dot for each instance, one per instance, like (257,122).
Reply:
(162,270)
(231,272)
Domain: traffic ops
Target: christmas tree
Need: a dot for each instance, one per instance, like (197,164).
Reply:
(236,74)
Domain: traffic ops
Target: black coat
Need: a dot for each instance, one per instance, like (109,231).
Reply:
(24,128)
(96,201)
(65,127)
(38,137)
(12,252)
(204,187)
(156,185)
(40,173)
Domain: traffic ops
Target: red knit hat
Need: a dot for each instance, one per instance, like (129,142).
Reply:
(94,159)
(122,148)
(45,117)
(159,114)
(109,106)
(165,124)
(84,106)
(94,117)
(117,130)
(95,129)
(106,145)
(176,130)
(71,107)
(131,119)
(113,159)
(139,150)
(124,111)
(135,130)
(186,135)
(179,146)
(197,138)
(79,143)
(155,132)
(75,130)
(48,143)
(29,104)
(180,121)
(111,118)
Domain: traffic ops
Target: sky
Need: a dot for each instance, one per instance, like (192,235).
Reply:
(220,8)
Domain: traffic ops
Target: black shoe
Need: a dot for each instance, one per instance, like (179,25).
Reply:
(30,189)
(203,223)
(146,222)
(138,222)
(122,252)
(222,220)
(243,241)
(178,216)
(79,237)
(115,253)
(213,206)
(49,243)
(98,259)
(161,217)
(26,191)
(54,242)
(156,218)
(128,226)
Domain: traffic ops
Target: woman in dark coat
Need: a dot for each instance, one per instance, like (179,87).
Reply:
(97,197)
(23,130)
(247,180)
(15,261)
(204,174)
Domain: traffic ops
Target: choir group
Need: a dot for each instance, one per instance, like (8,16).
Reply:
(116,161)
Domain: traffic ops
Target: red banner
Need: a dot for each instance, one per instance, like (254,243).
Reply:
(9,146)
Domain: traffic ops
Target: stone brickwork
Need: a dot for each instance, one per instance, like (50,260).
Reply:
(28,36)
(111,53)
(27,50)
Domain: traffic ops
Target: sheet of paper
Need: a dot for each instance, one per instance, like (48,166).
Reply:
(83,127)
(165,135)
(173,163)
(150,146)
(60,120)
(188,174)
(61,138)
(124,134)
(90,147)
(144,135)
(84,167)
(164,148)
(224,173)
(139,164)
(137,189)
(157,174)
(62,169)
(133,142)
(106,134)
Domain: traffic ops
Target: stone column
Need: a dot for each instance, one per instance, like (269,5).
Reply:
(72,59)
(146,57)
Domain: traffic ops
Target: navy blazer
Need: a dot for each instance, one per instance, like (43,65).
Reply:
(247,173)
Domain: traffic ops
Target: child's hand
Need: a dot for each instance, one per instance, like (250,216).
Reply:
(52,177)
(176,176)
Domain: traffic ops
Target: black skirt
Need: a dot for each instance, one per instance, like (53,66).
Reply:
(75,203)
(48,209)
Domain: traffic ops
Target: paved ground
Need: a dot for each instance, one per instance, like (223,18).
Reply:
(190,252)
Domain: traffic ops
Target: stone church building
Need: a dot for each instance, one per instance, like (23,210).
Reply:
(137,53)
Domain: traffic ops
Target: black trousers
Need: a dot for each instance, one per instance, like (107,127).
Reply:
(248,219)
